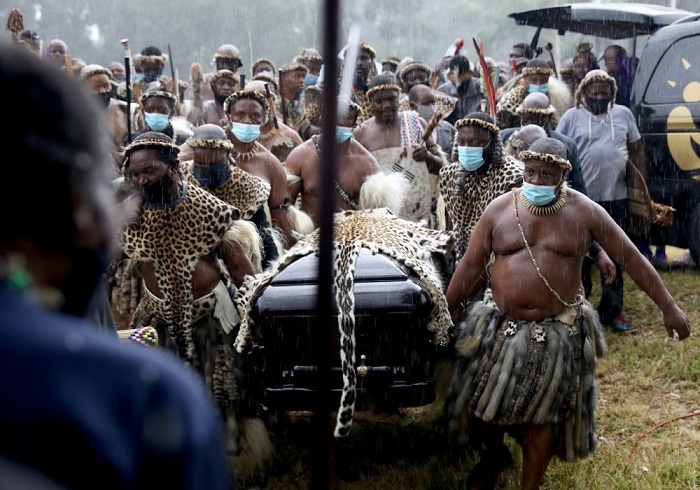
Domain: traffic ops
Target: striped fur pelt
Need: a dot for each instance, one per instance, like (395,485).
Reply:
(509,373)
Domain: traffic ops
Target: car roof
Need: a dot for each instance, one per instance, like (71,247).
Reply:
(608,20)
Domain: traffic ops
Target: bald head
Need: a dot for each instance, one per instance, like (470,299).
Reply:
(257,85)
(536,109)
(210,132)
(531,133)
(521,139)
(535,100)
(549,146)
(421,94)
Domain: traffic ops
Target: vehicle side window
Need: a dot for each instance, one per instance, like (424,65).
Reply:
(677,68)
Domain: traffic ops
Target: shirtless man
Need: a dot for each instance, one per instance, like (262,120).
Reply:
(526,356)
(276,136)
(96,79)
(395,140)
(191,247)
(355,168)
(222,83)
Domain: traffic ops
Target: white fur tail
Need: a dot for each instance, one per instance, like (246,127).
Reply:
(384,190)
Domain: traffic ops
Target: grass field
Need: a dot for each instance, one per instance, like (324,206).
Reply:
(645,380)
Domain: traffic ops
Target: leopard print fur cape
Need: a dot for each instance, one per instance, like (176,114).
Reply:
(379,231)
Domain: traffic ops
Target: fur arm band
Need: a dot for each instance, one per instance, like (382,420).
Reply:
(291,178)
(245,234)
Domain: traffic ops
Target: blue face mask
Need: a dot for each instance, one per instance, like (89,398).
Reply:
(310,80)
(245,132)
(157,121)
(532,88)
(471,157)
(211,176)
(150,76)
(342,133)
(539,195)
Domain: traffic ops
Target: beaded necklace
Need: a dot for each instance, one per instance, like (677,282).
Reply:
(549,208)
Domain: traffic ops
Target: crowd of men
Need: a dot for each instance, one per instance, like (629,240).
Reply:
(222,174)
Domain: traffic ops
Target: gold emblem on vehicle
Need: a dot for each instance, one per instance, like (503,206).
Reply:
(682,135)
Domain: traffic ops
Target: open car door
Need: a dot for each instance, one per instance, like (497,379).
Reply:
(607,20)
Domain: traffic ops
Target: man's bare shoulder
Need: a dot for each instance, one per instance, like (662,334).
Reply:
(358,149)
(290,133)
(301,154)
(500,203)
(364,129)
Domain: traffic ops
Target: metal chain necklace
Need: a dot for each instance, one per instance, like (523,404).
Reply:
(580,297)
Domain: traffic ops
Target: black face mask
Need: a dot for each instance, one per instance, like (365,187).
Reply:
(220,99)
(104,99)
(211,176)
(81,287)
(463,87)
(157,192)
(598,105)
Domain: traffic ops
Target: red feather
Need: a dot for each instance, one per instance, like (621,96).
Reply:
(486,74)
(459,44)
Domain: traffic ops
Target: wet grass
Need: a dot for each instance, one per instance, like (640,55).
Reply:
(644,381)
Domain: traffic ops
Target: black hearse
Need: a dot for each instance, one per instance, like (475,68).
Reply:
(666,101)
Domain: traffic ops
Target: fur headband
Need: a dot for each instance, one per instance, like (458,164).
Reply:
(536,70)
(472,121)
(210,144)
(246,94)
(157,141)
(157,93)
(384,86)
(547,158)
(92,70)
(535,111)
(413,65)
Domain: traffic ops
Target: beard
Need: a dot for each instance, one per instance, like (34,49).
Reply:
(220,99)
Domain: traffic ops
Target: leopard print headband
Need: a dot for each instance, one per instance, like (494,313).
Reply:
(220,56)
(157,93)
(151,58)
(98,70)
(144,144)
(294,67)
(413,66)
(210,144)
(472,121)
(225,73)
(536,70)
(535,111)
(384,86)
(246,94)
(545,157)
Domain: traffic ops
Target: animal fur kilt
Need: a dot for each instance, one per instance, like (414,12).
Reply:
(509,373)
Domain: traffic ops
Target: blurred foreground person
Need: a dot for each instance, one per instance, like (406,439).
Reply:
(137,418)
(526,354)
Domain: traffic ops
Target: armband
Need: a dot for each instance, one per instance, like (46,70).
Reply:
(284,205)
